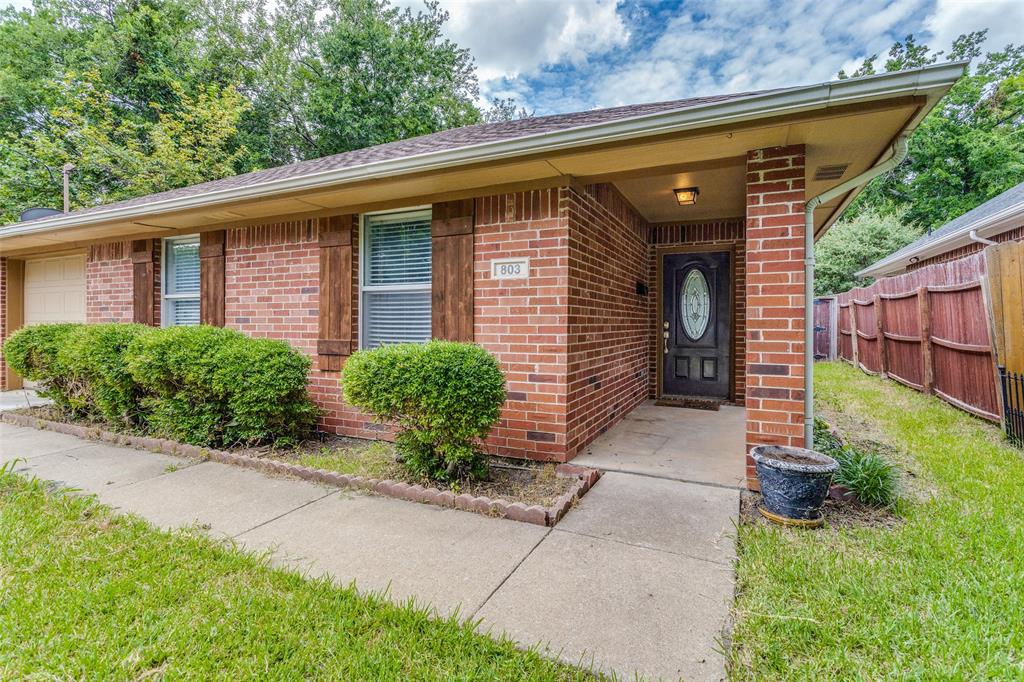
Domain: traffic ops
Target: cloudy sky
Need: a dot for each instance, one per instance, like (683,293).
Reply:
(568,55)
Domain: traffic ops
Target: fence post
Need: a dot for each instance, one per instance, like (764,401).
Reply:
(880,335)
(853,331)
(924,314)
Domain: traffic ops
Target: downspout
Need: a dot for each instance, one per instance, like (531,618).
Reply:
(981,240)
(899,152)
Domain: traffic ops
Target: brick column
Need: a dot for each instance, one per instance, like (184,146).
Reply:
(775,314)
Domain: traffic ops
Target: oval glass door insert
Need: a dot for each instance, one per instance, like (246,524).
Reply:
(695,305)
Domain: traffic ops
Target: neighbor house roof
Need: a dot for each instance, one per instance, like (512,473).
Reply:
(1000,213)
(496,143)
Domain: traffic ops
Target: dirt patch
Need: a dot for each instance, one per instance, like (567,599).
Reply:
(838,514)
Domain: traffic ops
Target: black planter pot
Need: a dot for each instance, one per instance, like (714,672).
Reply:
(794,483)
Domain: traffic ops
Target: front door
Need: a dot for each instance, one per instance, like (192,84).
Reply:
(696,329)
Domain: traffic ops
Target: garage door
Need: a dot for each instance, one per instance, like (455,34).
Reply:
(55,290)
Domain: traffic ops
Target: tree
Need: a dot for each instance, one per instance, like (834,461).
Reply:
(179,91)
(855,243)
(968,149)
(117,156)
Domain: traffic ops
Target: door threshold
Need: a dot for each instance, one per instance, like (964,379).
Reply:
(690,402)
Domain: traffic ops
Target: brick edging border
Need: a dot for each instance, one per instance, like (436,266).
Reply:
(516,511)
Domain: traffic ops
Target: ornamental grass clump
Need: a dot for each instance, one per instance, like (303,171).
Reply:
(444,396)
(867,474)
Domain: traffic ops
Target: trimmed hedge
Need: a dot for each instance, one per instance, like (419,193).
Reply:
(443,395)
(200,385)
(33,353)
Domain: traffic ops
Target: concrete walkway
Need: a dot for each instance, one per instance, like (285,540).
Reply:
(637,578)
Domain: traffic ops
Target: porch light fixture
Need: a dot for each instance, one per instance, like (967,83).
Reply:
(687,196)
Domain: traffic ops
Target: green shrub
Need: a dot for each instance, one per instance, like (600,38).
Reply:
(211,386)
(94,357)
(33,352)
(443,396)
(265,384)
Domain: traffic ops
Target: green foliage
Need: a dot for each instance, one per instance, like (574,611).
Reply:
(443,395)
(211,386)
(871,478)
(94,360)
(148,95)
(969,148)
(855,243)
(34,353)
(201,385)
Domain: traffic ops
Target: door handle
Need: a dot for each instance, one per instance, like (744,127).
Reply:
(665,334)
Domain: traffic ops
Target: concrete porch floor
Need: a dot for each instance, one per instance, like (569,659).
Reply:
(696,446)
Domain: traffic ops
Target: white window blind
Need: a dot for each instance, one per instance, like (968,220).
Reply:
(396,278)
(181,281)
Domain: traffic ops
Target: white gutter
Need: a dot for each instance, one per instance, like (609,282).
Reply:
(899,152)
(897,262)
(790,101)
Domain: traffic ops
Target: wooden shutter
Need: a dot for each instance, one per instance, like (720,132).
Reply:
(335,342)
(211,277)
(451,230)
(142,281)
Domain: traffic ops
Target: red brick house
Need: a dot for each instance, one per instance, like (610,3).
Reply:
(605,257)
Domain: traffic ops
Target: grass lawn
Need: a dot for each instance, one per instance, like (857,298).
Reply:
(939,596)
(85,594)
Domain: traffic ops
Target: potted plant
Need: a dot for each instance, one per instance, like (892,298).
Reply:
(794,483)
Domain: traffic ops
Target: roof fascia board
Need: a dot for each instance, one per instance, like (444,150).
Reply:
(793,100)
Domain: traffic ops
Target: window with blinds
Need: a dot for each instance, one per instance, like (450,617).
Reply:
(395,278)
(180,305)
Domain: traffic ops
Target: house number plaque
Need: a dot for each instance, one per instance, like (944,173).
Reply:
(510,268)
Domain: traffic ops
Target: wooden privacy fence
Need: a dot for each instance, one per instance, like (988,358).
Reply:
(951,329)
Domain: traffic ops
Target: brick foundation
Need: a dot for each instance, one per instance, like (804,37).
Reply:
(775,314)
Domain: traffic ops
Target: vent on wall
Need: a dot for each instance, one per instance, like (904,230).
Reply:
(831,172)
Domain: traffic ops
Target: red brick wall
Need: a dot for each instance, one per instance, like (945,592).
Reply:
(108,283)
(1014,235)
(524,323)
(609,323)
(713,234)
(775,280)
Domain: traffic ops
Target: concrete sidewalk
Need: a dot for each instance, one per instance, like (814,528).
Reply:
(637,578)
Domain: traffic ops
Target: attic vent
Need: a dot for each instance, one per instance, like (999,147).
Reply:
(830,172)
(224,215)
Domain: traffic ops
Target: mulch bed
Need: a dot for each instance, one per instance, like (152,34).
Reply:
(534,493)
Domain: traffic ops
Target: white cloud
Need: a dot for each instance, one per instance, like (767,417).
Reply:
(1004,20)
(513,37)
(16,4)
(734,45)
